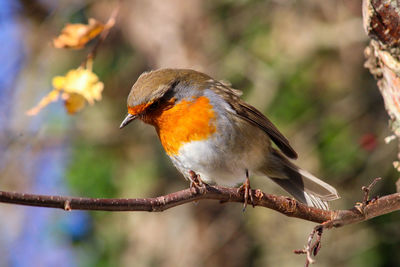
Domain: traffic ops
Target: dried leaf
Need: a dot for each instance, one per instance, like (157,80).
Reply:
(78,35)
(77,87)
(73,102)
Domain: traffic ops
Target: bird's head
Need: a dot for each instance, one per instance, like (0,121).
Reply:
(160,89)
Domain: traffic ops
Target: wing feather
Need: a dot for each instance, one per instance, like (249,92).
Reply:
(255,117)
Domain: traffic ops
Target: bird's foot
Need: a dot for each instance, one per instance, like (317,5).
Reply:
(248,194)
(195,181)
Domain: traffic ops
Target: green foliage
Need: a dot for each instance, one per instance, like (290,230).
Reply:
(338,148)
(295,99)
(90,171)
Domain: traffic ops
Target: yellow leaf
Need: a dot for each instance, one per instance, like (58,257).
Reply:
(78,35)
(77,86)
(82,82)
(73,102)
(58,82)
(50,97)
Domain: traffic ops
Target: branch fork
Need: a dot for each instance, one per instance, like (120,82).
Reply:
(312,249)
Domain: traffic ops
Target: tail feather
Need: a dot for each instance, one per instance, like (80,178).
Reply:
(317,187)
(300,193)
(302,185)
(316,202)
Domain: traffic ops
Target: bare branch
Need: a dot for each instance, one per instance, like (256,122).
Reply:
(284,205)
(312,249)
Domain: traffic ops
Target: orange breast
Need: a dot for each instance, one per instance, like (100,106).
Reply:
(186,121)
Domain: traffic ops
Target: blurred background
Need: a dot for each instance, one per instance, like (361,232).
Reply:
(300,62)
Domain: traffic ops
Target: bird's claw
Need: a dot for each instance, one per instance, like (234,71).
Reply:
(195,181)
(248,194)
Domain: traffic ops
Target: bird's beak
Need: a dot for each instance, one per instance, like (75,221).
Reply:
(127,120)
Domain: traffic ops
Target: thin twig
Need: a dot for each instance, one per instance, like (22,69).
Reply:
(312,249)
(307,249)
(109,24)
(367,189)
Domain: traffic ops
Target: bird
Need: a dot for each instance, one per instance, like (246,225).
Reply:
(210,133)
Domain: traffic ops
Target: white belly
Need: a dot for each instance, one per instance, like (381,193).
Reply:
(219,162)
(209,164)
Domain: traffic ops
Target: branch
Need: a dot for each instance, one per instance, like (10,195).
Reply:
(284,205)
(328,219)
(312,249)
(109,24)
(366,209)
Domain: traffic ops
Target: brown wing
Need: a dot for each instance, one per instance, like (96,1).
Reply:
(252,115)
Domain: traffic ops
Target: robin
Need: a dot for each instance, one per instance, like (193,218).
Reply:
(212,134)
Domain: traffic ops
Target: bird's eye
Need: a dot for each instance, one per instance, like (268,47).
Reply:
(154,105)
